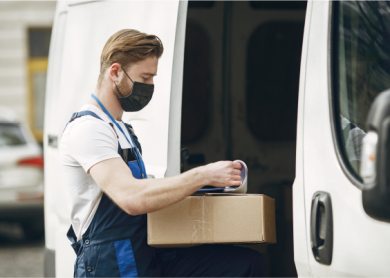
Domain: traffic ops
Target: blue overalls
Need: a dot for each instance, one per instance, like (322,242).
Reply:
(115,243)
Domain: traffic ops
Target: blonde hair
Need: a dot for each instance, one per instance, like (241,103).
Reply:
(128,46)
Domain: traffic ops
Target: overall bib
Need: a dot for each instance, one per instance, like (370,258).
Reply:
(115,243)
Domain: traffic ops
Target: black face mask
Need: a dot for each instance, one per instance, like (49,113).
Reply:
(138,98)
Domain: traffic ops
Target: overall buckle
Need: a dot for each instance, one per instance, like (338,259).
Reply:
(74,116)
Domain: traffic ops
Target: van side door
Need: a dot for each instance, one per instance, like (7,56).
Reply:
(347,66)
(89,24)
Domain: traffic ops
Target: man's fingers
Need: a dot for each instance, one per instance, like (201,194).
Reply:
(236,172)
(237,165)
(235,183)
(229,173)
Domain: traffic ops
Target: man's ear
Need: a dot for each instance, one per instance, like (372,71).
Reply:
(114,71)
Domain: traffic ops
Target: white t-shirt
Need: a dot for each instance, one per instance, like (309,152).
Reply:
(85,142)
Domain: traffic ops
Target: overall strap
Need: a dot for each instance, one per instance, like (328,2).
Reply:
(90,113)
(111,118)
(136,142)
(138,156)
(83,113)
(80,114)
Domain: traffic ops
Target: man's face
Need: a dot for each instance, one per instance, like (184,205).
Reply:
(142,71)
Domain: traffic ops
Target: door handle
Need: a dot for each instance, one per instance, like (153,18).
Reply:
(52,141)
(321,227)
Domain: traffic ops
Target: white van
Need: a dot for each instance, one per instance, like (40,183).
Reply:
(227,88)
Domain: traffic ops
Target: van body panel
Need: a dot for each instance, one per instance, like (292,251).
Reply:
(301,249)
(174,129)
(81,30)
(357,238)
(52,129)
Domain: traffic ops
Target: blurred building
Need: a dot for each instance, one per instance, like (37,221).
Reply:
(25,29)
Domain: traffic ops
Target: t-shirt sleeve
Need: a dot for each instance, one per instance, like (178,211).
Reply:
(91,141)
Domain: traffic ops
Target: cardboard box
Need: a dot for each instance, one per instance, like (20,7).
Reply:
(214,218)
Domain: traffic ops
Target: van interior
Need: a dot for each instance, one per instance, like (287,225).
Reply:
(240,98)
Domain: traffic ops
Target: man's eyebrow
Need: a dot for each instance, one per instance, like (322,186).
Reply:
(149,73)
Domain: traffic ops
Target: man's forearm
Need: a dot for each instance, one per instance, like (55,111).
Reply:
(155,194)
(142,196)
(147,195)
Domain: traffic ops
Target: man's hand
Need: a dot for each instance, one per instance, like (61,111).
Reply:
(223,173)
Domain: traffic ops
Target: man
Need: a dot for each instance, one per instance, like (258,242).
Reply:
(108,192)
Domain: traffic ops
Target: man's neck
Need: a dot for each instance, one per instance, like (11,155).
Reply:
(109,100)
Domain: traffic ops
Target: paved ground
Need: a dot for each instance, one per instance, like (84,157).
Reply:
(18,256)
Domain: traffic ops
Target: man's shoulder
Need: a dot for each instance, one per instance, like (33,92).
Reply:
(94,109)
(88,122)
(89,117)
(87,136)
(89,128)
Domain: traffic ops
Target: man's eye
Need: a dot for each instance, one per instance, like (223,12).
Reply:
(146,78)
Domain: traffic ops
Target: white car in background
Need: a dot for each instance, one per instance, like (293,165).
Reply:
(21,175)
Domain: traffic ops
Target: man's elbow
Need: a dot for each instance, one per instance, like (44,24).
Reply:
(135,207)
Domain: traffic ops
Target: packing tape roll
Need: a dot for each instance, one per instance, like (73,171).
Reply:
(244,179)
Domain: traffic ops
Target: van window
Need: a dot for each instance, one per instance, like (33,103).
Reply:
(200,4)
(273,61)
(196,84)
(279,5)
(39,43)
(361,70)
